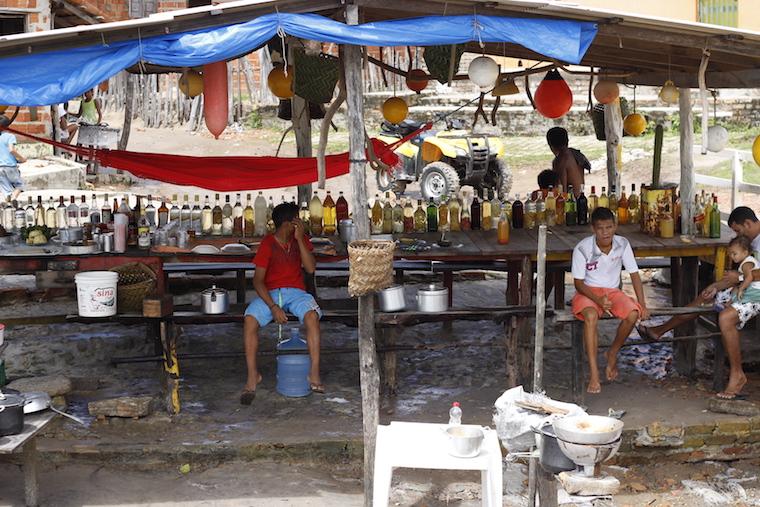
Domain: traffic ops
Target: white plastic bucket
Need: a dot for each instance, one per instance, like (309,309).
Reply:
(96,293)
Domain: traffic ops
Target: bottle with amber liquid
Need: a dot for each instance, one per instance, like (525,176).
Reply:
(561,197)
(633,206)
(387,214)
(398,217)
(551,207)
(163,214)
(517,213)
(540,209)
(604,201)
(465,220)
(216,218)
(677,213)
(420,217)
(593,201)
(432,216)
(376,220)
(485,212)
(455,209)
(502,229)
(443,215)
(475,213)
(613,201)
(329,216)
(341,208)
(408,217)
(529,208)
(303,214)
(237,217)
(249,218)
(623,214)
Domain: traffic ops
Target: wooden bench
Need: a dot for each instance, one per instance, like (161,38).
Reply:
(577,346)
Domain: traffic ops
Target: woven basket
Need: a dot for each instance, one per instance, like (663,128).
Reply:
(316,77)
(370,266)
(597,118)
(136,282)
(438,61)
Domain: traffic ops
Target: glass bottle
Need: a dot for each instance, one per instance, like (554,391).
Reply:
(593,201)
(502,230)
(398,218)
(529,207)
(633,206)
(420,218)
(623,215)
(186,213)
(560,205)
(39,212)
(84,211)
(699,216)
(495,210)
(506,207)
(485,212)
(582,207)
(315,214)
(143,230)
(19,217)
(174,212)
(61,217)
(216,217)
(29,213)
(604,201)
(72,213)
(270,212)
(677,213)
(163,214)
(454,211)
(518,213)
(643,204)
(195,215)
(540,209)
(571,210)
(237,217)
(465,220)
(207,217)
(227,222)
(106,213)
(443,215)
(115,207)
(432,216)
(666,224)
(341,208)
(260,215)
(613,199)
(150,212)
(408,217)
(51,216)
(551,207)
(715,219)
(387,214)
(303,214)
(475,213)
(248,217)
(329,216)
(707,206)
(376,221)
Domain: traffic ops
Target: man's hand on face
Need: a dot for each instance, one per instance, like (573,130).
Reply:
(298,229)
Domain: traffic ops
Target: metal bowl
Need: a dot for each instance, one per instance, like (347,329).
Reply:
(465,441)
(589,455)
(588,429)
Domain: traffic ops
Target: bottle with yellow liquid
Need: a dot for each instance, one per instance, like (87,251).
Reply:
(443,215)
(593,201)
(633,206)
(485,212)
(530,213)
(455,208)
(420,217)
(561,198)
(604,201)
(707,206)
(329,217)
(540,209)
(551,207)
(376,223)
(398,218)
(387,214)
(503,229)
(613,201)
(316,212)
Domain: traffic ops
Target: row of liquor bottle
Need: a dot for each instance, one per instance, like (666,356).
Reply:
(253,219)
(543,207)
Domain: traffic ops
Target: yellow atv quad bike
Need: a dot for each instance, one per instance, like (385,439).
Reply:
(443,160)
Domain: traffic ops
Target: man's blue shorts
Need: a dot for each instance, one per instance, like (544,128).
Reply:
(295,301)
(10,179)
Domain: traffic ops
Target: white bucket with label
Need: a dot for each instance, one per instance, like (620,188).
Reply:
(96,293)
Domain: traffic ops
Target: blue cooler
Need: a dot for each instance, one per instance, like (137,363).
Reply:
(293,369)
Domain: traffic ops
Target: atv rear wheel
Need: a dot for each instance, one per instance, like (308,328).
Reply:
(384,180)
(438,179)
(500,178)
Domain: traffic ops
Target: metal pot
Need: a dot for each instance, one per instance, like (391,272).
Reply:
(11,414)
(432,299)
(465,440)
(551,457)
(588,429)
(71,235)
(347,230)
(215,301)
(392,299)
(37,401)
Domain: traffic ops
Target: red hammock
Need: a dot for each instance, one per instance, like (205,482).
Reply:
(226,174)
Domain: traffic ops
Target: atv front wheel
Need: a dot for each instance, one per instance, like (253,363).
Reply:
(438,179)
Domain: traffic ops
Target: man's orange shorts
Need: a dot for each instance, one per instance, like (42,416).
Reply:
(622,304)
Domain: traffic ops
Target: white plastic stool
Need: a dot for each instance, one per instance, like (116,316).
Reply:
(424,445)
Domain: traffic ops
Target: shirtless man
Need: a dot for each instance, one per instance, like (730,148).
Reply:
(564,163)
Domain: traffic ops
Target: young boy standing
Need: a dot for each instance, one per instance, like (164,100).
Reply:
(597,263)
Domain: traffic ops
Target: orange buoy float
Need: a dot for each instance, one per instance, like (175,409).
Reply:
(215,108)
(281,84)
(417,80)
(553,97)
(606,91)
(191,83)
(395,110)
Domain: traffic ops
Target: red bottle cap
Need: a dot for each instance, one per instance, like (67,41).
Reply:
(455,404)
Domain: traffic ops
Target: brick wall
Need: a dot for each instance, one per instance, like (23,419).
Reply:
(112,10)
(171,5)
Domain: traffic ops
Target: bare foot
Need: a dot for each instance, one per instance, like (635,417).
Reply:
(249,387)
(611,370)
(594,387)
(734,388)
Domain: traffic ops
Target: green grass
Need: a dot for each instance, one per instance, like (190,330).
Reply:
(723,170)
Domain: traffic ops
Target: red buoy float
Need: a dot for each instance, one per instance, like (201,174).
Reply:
(553,97)
(215,97)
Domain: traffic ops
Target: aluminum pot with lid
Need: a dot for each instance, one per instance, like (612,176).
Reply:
(347,230)
(215,301)
(11,414)
(432,299)
(392,299)
(71,235)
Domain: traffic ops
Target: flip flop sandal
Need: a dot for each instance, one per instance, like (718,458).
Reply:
(645,334)
(247,397)
(731,396)
(317,388)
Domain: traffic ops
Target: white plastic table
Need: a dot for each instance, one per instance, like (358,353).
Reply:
(425,445)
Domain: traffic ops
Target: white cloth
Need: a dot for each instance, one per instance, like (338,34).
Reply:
(598,269)
(756,246)
(755,265)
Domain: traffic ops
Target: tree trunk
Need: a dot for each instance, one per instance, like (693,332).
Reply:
(128,103)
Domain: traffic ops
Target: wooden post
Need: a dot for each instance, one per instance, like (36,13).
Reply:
(703,97)
(737,178)
(685,352)
(688,188)
(368,364)
(538,350)
(523,336)
(302,129)
(31,491)
(128,104)
(613,130)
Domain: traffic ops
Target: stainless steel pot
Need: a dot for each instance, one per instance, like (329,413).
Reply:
(37,401)
(71,235)
(392,299)
(215,301)
(347,230)
(11,414)
(551,457)
(432,299)
(465,440)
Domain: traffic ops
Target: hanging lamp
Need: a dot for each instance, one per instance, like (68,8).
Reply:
(669,93)
(553,97)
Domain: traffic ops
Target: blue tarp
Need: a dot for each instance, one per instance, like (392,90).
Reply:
(56,76)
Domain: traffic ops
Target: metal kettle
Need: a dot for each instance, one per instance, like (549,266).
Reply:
(215,301)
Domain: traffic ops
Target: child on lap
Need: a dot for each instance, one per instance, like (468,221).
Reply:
(597,263)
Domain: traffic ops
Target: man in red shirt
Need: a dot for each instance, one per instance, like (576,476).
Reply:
(279,282)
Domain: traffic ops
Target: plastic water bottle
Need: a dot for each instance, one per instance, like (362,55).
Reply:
(455,414)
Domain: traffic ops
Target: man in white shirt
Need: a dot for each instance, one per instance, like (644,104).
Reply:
(733,315)
(597,263)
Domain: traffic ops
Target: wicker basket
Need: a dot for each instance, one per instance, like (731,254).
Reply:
(316,77)
(370,266)
(136,282)
(438,61)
